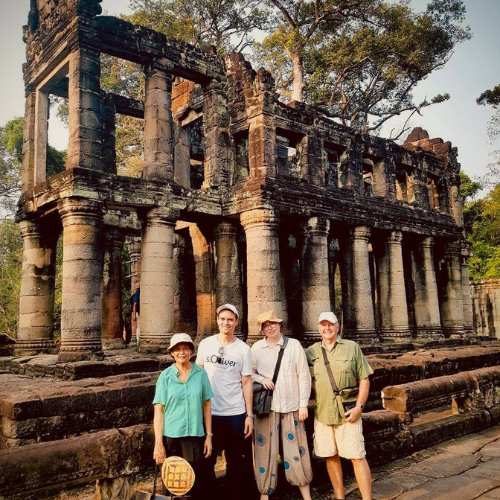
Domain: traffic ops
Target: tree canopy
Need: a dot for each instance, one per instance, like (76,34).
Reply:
(360,60)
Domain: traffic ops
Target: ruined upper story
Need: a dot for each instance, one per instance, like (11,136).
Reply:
(229,143)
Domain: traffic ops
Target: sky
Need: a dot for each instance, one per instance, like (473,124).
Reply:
(473,68)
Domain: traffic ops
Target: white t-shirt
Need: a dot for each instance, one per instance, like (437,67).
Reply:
(225,372)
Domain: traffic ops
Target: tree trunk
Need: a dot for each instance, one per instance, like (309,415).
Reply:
(298,76)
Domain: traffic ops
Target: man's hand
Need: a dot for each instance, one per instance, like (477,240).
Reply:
(159,453)
(268,383)
(303,414)
(353,414)
(248,427)
(207,447)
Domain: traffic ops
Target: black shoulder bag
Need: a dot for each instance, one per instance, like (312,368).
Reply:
(348,405)
(262,397)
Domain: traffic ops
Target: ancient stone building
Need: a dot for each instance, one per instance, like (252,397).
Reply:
(241,198)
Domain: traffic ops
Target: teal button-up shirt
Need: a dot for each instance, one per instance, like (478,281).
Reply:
(183,401)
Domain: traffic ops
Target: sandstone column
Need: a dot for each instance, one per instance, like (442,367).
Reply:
(466,290)
(427,317)
(452,305)
(28,166)
(362,303)
(158,125)
(227,273)
(134,250)
(264,280)
(36,301)
(262,146)
(85,131)
(216,129)
(205,287)
(316,287)
(81,311)
(112,314)
(395,325)
(157,283)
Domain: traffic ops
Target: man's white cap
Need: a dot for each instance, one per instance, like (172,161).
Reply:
(180,338)
(228,307)
(328,316)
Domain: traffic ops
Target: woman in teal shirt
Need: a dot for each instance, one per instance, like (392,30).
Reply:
(183,412)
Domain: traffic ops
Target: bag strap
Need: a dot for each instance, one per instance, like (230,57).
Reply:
(280,357)
(329,371)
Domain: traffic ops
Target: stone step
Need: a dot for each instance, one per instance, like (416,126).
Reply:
(44,410)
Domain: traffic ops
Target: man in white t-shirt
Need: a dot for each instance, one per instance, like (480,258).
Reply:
(228,363)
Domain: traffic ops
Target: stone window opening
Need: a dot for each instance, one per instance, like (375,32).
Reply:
(433,195)
(241,168)
(332,166)
(343,170)
(401,186)
(123,85)
(51,128)
(189,140)
(368,177)
(289,149)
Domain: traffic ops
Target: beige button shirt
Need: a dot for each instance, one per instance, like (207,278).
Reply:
(293,386)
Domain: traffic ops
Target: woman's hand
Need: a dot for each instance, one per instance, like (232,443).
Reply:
(159,453)
(207,447)
(268,383)
(303,414)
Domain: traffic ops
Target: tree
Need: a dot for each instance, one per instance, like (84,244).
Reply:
(484,236)
(492,98)
(228,25)
(360,59)
(10,275)
(11,141)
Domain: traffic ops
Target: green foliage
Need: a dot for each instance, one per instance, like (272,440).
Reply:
(468,187)
(491,97)
(10,275)
(483,224)
(361,58)
(10,165)
(227,25)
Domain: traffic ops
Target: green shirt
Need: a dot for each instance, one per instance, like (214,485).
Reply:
(348,365)
(183,401)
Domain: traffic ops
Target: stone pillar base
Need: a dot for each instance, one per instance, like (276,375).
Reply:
(454,332)
(33,347)
(310,337)
(362,336)
(425,333)
(79,350)
(108,344)
(154,343)
(396,335)
(469,331)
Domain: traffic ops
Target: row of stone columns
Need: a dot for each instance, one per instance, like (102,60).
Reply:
(85,313)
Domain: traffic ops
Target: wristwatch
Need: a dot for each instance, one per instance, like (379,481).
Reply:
(361,407)
(250,415)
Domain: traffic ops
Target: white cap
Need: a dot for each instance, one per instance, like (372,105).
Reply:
(228,307)
(328,316)
(180,338)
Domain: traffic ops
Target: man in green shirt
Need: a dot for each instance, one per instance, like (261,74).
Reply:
(340,377)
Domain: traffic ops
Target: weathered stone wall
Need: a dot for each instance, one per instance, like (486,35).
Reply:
(486,307)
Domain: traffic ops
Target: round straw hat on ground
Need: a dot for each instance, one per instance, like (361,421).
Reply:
(177,475)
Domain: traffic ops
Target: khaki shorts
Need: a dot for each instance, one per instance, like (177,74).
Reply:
(345,440)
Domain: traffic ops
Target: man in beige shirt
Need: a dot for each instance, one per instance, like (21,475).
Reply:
(288,410)
(338,428)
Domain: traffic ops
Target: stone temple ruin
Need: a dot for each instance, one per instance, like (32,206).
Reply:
(244,199)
